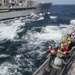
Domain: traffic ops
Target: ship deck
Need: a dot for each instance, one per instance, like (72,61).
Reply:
(16,7)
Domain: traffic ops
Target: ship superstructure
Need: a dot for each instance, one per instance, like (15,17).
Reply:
(26,3)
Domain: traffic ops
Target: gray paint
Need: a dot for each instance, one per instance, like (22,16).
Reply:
(12,14)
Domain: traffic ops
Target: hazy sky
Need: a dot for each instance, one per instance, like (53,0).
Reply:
(58,1)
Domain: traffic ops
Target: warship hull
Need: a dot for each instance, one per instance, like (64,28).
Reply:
(13,12)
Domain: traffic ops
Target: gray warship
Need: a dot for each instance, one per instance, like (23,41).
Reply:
(18,8)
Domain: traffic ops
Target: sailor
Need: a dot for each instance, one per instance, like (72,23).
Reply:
(52,53)
(68,38)
(60,49)
(68,42)
(71,43)
(74,36)
(59,45)
(59,60)
(60,52)
(66,49)
(62,45)
(52,50)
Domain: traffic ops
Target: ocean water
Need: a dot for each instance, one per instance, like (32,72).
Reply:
(24,42)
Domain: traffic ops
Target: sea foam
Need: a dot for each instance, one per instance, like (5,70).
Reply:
(10,30)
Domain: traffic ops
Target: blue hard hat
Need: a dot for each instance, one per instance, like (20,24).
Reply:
(59,45)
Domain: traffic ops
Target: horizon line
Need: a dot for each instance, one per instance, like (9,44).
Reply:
(63,4)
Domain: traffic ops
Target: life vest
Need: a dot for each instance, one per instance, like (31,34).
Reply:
(52,51)
(66,49)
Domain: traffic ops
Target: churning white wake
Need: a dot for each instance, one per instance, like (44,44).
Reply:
(10,29)
(35,46)
(36,40)
(32,50)
(53,17)
(47,33)
(7,68)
